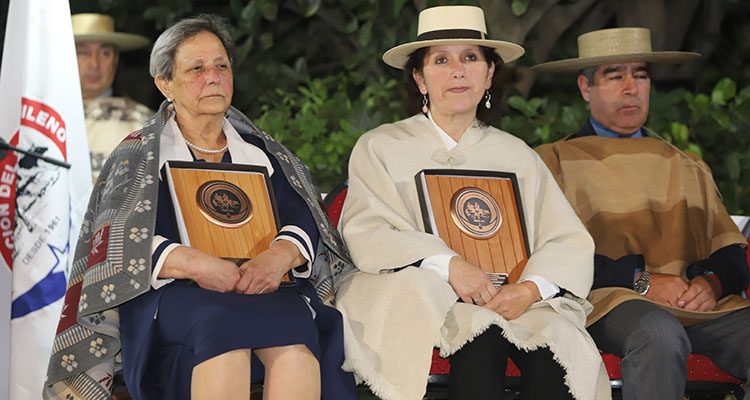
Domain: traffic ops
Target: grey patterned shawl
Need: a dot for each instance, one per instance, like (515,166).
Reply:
(112,262)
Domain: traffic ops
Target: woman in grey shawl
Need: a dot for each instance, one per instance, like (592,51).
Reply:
(189,324)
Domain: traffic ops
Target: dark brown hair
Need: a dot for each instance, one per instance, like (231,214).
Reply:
(413,97)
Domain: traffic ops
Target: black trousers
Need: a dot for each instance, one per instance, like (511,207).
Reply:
(478,370)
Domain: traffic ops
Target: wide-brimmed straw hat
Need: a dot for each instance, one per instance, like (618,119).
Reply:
(617,45)
(451,25)
(102,28)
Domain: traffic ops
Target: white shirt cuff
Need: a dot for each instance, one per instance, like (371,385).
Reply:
(547,289)
(439,263)
(306,248)
(157,282)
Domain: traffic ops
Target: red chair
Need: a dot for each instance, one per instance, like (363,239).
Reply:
(703,375)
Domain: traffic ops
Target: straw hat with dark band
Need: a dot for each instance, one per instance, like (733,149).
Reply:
(451,25)
(611,46)
(102,28)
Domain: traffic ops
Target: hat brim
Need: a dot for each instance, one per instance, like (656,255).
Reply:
(123,41)
(577,64)
(397,56)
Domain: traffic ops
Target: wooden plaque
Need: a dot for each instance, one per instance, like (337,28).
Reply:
(480,216)
(227,210)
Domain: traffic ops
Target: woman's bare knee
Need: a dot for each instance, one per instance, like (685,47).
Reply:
(291,372)
(224,376)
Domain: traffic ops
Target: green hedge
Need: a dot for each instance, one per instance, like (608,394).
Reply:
(321,120)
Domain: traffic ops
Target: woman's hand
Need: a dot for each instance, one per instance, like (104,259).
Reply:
(469,282)
(263,273)
(513,299)
(210,272)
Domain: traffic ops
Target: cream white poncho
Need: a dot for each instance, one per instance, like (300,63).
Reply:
(393,320)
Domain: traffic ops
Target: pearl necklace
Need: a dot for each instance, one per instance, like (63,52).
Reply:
(207,151)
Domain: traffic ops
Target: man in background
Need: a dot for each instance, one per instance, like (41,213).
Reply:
(109,117)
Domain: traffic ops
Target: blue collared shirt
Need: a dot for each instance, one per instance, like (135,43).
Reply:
(603,131)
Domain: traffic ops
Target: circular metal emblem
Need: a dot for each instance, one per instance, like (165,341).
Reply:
(224,204)
(476,213)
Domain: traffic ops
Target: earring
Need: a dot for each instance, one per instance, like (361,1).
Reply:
(487,103)
(424,104)
(169,100)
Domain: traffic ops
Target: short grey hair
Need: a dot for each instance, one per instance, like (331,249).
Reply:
(165,47)
(588,73)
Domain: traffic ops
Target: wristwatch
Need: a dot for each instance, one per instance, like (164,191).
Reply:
(641,285)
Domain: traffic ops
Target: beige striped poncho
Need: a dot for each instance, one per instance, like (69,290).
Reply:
(643,196)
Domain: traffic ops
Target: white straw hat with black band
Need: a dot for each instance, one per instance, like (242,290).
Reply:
(451,25)
(101,27)
(612,46)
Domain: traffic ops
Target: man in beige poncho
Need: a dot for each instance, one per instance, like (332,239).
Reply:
(669,261)
(402,300)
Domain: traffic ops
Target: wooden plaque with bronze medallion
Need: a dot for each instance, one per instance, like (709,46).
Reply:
(227,210)
(480,216)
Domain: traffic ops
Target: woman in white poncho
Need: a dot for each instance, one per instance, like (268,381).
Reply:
(402,300)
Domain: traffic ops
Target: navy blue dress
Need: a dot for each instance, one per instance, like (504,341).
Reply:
(168,331)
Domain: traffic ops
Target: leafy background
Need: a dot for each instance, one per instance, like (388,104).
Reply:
(309,71)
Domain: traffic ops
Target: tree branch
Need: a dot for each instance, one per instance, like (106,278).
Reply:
(503,25)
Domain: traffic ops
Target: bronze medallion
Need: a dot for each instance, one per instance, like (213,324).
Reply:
(224,204)
(476,213)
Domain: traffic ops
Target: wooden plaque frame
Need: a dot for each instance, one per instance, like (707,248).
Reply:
(244,228)
(499,244)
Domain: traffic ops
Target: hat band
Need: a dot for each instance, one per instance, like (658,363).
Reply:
(451,34)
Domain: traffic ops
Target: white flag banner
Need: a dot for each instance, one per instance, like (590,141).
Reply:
(41,204)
